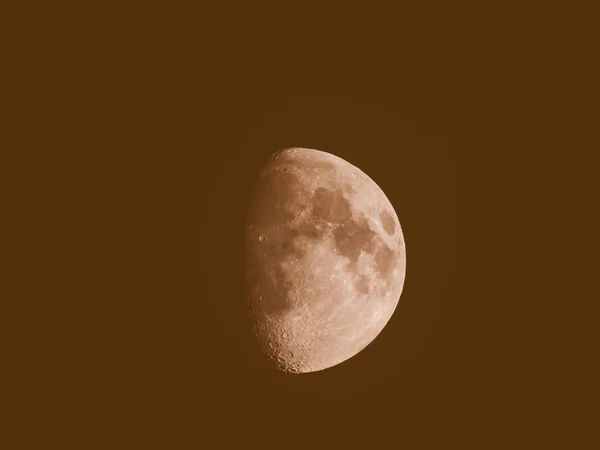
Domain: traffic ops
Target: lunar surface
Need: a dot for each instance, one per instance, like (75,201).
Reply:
(325,260)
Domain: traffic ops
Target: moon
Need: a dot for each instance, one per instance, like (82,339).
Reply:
(325,260)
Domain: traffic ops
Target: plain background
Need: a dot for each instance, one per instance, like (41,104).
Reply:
(141,130)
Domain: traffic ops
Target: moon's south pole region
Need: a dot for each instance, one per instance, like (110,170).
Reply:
(325,260)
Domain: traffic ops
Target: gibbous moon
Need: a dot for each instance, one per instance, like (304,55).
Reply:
(325,260)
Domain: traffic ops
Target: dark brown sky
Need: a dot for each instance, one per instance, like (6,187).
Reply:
(156,121)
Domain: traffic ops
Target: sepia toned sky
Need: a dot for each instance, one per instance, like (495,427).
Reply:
(458,112)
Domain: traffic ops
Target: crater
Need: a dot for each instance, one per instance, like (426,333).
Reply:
(330,205)
(388,222)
